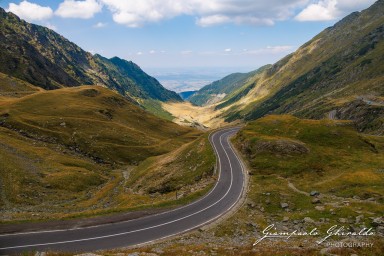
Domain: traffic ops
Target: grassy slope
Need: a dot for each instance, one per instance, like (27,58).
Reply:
(225,85)
(93,120)
(327,156)
(13,87)
(190,164)
(58,149)
(327,73)
(155,107)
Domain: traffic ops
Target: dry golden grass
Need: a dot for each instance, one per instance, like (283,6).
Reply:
(186,114)
(66,153)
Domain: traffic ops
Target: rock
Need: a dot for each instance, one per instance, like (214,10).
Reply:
(268,201)
(285,219)
(282,147)
(343,220)
(316,201)
(40,254)
(359,219)
(308,220)
(284,205)
(134,254)
(314,193)
(378,222)
(63,124)
(324,251)
(252,224)
(251,204)
(356,197)
(320,208)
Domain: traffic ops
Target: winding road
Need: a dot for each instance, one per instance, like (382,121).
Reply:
(222,198)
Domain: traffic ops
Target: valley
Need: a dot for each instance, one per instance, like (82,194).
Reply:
(186,114)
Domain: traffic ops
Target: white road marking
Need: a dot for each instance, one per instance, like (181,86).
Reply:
(121,222)
(163,224)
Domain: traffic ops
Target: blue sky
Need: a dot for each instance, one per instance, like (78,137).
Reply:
(241,34)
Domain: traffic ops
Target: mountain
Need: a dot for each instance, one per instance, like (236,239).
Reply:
(187,94)
(329,76)
(46,59)
(70,151)
(217,90)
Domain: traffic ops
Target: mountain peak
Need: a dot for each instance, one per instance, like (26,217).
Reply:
(46,59)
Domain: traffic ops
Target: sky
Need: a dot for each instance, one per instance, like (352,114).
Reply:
(170,34)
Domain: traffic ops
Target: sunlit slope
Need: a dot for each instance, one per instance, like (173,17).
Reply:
(341,64)
(219,89)
(289,158)
(95,122)
(69,150)
(11,87)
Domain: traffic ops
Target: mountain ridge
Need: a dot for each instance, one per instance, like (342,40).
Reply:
(219,89)
(46,59)
(328,73)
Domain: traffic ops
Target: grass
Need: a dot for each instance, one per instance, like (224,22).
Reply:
(338,65)
(66,153)
(176,171)
(155,107)
(11,87)
(338,162)
(336,156)
(287,158)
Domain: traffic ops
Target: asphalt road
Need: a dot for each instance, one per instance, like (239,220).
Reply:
(220,200)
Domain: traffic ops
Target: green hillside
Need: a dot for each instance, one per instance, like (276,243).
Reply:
(288,160)
(46,59)
(186,95)
(65,151)
(337,67)
(222,87)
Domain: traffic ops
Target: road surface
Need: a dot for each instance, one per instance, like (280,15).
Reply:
(224,196)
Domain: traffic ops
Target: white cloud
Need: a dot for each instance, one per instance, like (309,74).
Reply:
(30,11)
(139,53)
(213,20)
(152,51)
(134,13)
(324,10)
(78,9)
(100,25)
(228,50)
(321,11)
